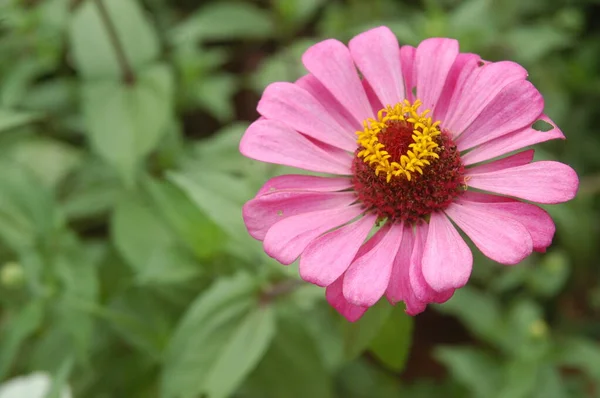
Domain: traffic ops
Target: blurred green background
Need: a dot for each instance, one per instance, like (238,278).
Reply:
(125,267)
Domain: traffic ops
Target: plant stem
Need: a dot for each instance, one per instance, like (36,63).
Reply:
(127,72)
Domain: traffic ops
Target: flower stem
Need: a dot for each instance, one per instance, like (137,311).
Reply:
(128,75)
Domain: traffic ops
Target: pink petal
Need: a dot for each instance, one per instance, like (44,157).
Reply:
(420,287)
(447,260)
(273,142)
(295,107)
(368,276)
(498,237)
(538,222)
(479,89)
(407,60)
(336,299)
(374,101)
(263,211)
(542,182)
(511,142)
(518,105)
(377,54)
(288,238)
(330,255)
(463,66)
(336,110)
(433,62)
(517,159)
(331,63)
(301,182)
(399,286)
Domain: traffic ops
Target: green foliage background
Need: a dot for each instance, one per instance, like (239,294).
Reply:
(126,268)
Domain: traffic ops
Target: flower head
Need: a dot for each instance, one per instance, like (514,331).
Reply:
(413,141)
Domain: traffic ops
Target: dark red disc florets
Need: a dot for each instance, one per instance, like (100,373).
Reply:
(403,200)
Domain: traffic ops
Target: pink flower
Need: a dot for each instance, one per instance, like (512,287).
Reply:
(402,143)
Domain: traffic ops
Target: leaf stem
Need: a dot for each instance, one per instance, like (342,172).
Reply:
(126,70)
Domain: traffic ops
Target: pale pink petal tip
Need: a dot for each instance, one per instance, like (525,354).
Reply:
(543,182)
(336,299)
(447,260)
(368,276)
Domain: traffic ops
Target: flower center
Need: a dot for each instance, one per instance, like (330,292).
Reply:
(406,166)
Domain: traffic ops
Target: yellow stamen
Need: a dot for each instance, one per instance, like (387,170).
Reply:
(420,151)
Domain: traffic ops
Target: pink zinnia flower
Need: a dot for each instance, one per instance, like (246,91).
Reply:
(407,139)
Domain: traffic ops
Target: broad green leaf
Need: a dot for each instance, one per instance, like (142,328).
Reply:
(20,327)
(359,335)
(283,66)
(79,283)
(60,380)
(549,384)
(244,350)
(125,123)
(580,353)
(479,311)
(194,228)
(215,94)
(550,276)
(392,344)
(473,368)
(91,191)
(10,119)
(222,325)
(142,319)
(359,379)
(225,21)
(520,378)
(291,368)
(526,335)
(147,244)
(27,208)
(92,41)
(51,160)
(221,197)
(296,12)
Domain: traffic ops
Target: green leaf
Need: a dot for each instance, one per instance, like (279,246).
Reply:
(125,123)
(225,21)
(283,66)
(473,368)
(479,311)
(221,197)
(542,125)
(549,384)
(245,349)
(27,208)
(519,379)
(93,46)
(221,337)
(392,345)
(51,160)
(142,319)
(526,335)
(91,191)
(14,333)
(148,246)
(580,353)
(10,119)
(359,335)
(194,228)
(296,12)
(215,94)
(291,368)
(548,278)
(359,379)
